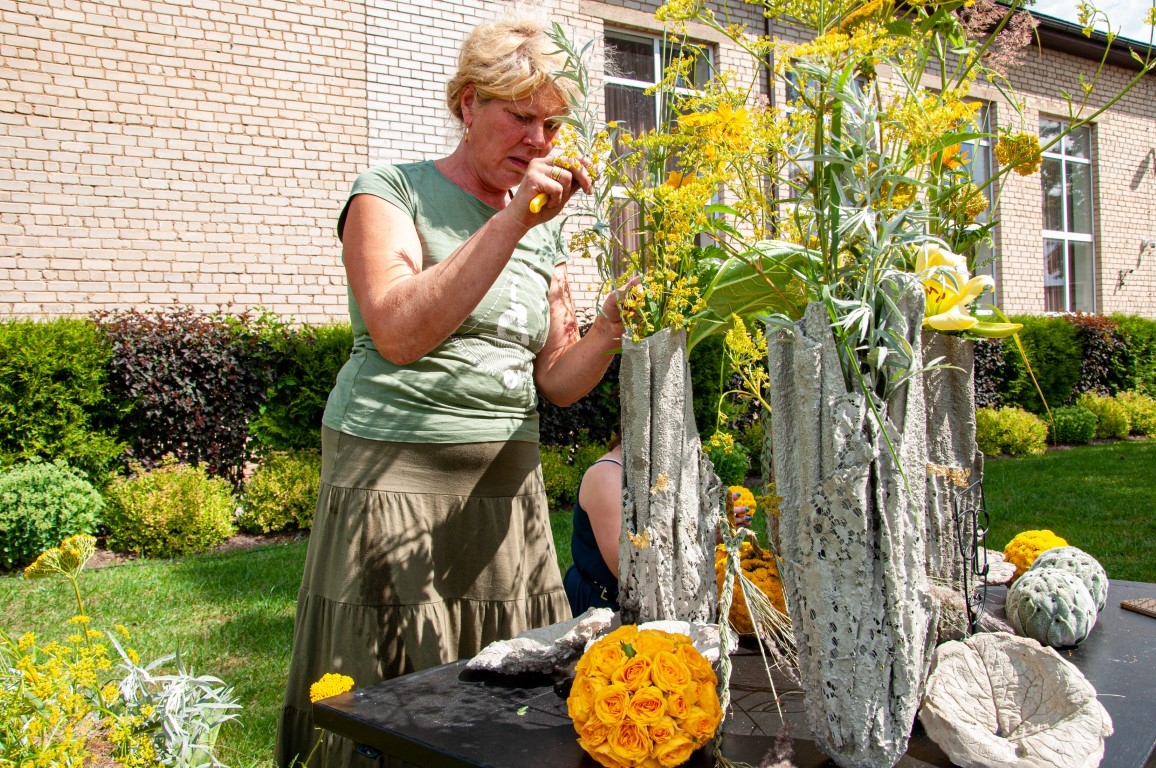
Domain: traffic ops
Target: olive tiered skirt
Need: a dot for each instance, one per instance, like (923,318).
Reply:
(420,554)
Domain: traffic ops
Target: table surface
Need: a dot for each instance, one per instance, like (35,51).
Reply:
(449,717)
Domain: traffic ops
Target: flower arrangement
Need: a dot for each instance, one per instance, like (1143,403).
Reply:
(1026,546)
(330,684)
(758,567)
(643,698)
(61,703)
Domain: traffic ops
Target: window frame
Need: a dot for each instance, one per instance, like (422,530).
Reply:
(1067,237)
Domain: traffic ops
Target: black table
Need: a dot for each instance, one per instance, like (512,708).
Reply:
(448,717)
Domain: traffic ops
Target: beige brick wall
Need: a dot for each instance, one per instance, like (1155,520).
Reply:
(1124,184)
(196,152)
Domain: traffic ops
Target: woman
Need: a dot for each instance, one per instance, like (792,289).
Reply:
(431,537)
(592,581)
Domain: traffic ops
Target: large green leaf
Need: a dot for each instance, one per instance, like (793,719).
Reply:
(765,280)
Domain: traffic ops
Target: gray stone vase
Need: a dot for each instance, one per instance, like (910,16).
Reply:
(954,462)
(852,541)
(671,497)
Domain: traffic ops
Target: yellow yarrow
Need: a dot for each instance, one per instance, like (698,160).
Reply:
(1021,151)
(330,684)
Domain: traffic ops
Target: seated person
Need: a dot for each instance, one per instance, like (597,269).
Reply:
(592,581)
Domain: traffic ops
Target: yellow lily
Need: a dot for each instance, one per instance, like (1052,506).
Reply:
(950,289)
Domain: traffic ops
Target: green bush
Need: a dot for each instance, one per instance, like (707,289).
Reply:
(1111,415)
(282,493)
(1135,369)
(731,462)
(42,503)
(563,467)
(1009,430)
(1055,354)
(52,396)
(173,509)
(309,359)
(1074,425)
(1141,410)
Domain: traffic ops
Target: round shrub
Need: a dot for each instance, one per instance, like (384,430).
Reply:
(41,504)
(174,509)
(1010,430)
(1141,410)
(282,493)
(1074,425)
(1111,416)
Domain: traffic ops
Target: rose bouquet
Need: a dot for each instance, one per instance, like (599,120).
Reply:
(643,698)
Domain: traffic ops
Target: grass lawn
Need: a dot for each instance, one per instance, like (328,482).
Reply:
(231,614)
(1100,498)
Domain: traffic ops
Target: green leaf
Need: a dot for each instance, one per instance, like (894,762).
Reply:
(762,281)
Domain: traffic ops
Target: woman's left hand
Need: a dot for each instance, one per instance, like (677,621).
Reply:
(557,178)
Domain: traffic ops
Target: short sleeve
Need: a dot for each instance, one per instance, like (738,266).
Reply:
(384,181)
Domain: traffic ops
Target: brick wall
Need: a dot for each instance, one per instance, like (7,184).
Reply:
(156,152)
(1124,184)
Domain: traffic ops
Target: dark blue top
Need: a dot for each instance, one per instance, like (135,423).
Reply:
(589,582)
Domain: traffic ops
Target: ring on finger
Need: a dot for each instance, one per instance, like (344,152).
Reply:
(556,173)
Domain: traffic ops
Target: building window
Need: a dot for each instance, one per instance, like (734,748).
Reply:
(636,63)
(1069,254)
(976,157)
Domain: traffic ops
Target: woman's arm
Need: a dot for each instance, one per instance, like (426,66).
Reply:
(600,494)
(408,310)
(570,365)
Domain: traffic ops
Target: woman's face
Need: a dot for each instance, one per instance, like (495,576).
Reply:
(504,136)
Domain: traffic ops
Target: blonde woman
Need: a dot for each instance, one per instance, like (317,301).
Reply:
(431,537)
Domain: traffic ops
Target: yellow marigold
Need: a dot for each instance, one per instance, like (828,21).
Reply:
(967,203)
(759,568)
(1023,550)
(330,684)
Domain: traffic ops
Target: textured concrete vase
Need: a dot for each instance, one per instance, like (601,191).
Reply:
(671,499)
(852,541)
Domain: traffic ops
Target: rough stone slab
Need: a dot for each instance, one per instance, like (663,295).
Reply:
(540,650)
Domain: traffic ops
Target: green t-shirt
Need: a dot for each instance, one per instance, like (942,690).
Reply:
(478,385)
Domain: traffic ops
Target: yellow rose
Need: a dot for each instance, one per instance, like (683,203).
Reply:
(664,729)
(699,725)
(604,754)
(677,706)
(593,733)
(668,672)
(629,742)
(610,703)
(605,658)
(651,641)
(674,751)
(634,674)
(646,706)
(708,701)
(699,667)
(580,702)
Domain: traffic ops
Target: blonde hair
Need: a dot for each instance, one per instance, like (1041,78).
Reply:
(508,59)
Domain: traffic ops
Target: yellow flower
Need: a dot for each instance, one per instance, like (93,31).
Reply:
(1023,550)
(674,751)
(629,742)
(949,289)
(668,672)
(1021,151)
(647,706)
(700,725)
(330,685)
(580,702)
(66,560)
(610,703)
(634,674)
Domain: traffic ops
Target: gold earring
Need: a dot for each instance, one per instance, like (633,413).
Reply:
(467,138)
